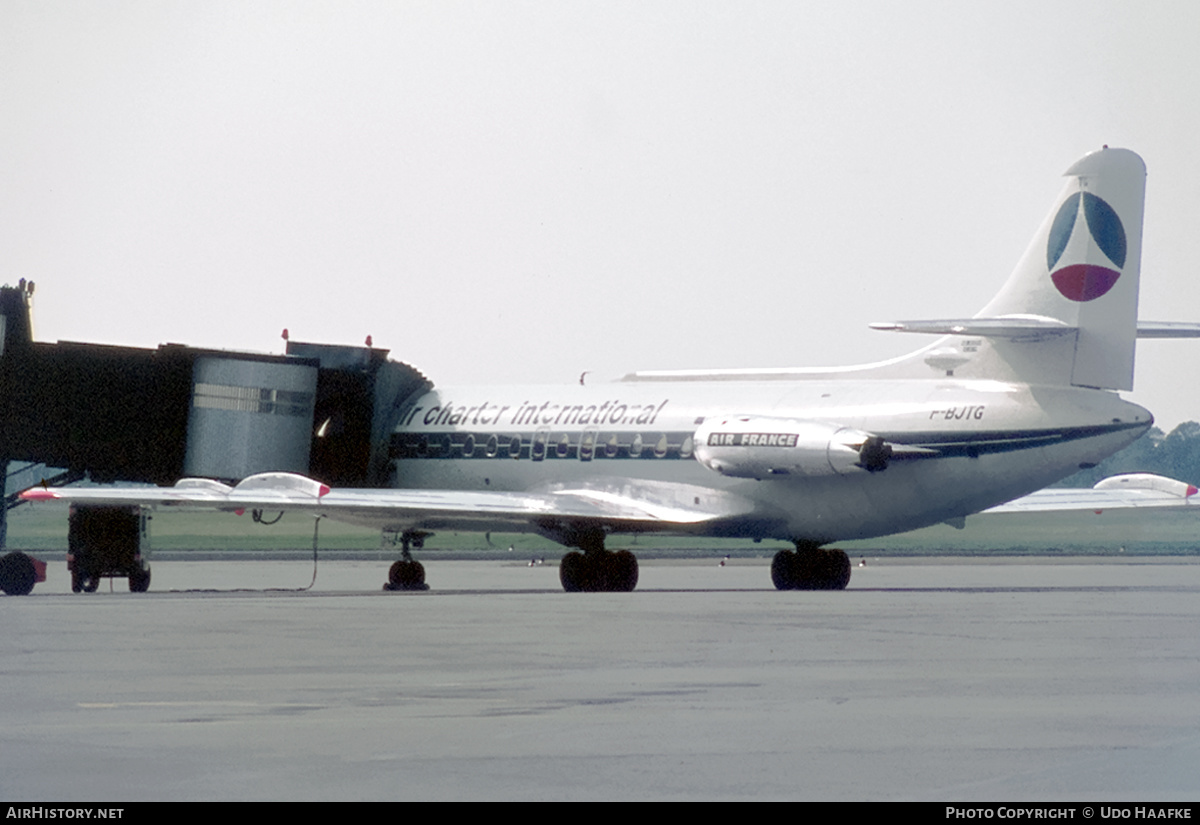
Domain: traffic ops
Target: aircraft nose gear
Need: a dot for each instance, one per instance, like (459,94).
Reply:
(407,573)
(810,568)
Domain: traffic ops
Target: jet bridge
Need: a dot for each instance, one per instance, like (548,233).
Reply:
(359,396)
(156,415)
(113,413)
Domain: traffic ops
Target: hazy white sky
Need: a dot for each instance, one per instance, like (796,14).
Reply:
(519,191)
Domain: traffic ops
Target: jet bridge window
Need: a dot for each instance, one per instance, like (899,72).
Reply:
(252,399)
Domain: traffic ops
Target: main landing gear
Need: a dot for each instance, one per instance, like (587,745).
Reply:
(809,567)
(596,569)
(407,573)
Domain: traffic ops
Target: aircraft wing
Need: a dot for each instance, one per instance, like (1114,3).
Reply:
(1121,492)
(630,505)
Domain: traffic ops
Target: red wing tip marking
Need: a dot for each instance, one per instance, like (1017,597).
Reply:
(39,494)
(1098,512)
(1191,491)
(325,487)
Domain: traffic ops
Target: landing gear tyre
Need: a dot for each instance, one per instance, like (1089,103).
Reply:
(90,583)
(17,574)
(815,569)
(837,570)
(139,580)
(623,572)
(599,571)
(783,570)
(406,575)
(571,572)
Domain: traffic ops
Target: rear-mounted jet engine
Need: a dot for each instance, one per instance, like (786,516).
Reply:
(763,447)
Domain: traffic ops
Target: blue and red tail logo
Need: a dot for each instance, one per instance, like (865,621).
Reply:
(1089,278)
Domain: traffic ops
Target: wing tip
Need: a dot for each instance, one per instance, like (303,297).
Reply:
(38,494)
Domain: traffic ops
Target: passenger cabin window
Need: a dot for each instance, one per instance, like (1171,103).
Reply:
(612,447)
(587,444)
(660,447)
(537,450)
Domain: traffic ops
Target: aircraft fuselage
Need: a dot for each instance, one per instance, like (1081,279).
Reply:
(961,446)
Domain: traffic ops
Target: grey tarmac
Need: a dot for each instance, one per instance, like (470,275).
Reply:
(928,679)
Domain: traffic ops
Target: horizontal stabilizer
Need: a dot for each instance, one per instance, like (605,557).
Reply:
(1167,329)
(1014,326)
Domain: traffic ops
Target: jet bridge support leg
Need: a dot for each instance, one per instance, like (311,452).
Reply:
(810,567)
(18,572)
(596,569)
(407,573)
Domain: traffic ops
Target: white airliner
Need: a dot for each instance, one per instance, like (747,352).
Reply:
(999,405)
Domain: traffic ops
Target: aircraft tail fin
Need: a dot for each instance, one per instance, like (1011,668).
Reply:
(1068,313)
(1067,316)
